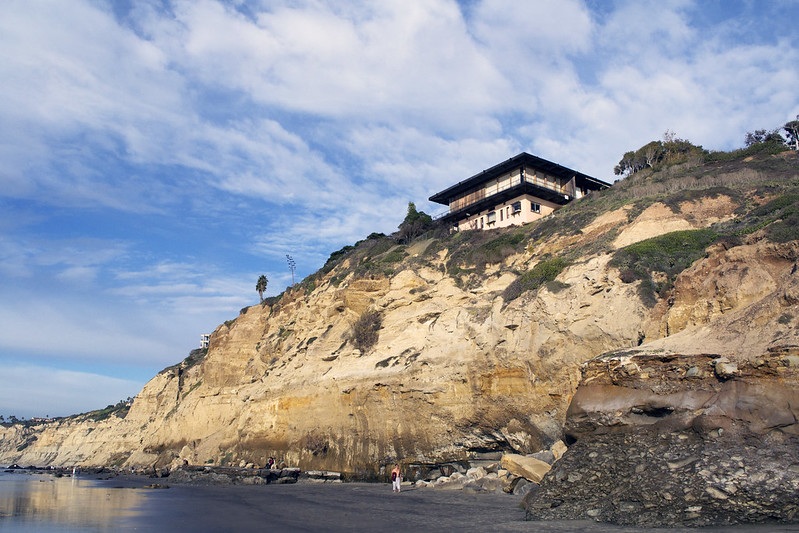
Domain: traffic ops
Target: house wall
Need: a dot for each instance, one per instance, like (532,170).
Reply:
(503,215)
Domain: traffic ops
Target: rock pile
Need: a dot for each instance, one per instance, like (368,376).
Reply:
(513,474)
(207,475)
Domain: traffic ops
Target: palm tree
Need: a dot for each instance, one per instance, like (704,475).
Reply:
(261,286)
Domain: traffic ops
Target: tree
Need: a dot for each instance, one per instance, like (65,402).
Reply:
(658,153)
(415,223)
(763,136)
(626,166)
(261,286)
(792,129)
(754,137)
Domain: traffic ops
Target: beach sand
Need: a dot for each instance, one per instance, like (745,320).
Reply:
(352,507)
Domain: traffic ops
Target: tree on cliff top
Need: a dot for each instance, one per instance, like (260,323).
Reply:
(666,152)
(415,223)
(792,129)
(261,286)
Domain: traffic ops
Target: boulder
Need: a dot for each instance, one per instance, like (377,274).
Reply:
(724,368)
(451,483)
(530,468)
(523,487)
(476,472)
(558,449)
(546,455)
(322,475)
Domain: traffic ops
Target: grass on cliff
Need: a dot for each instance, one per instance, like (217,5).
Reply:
(668,254)
(119,410)
(543,272)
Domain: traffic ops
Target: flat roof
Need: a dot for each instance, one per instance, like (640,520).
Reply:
(514,162)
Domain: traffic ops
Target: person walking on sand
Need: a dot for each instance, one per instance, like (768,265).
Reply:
(396,478)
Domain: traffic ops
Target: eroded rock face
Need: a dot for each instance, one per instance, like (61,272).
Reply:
(454,371)
(666,439)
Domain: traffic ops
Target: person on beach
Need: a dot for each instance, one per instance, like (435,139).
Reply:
(396,478)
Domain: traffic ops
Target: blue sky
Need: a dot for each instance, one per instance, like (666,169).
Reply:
(157,157)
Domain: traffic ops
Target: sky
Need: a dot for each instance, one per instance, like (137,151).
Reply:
(156,157)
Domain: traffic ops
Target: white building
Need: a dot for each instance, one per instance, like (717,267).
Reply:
(522,189)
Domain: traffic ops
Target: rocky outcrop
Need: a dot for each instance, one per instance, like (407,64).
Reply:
(205,475)
(669,439)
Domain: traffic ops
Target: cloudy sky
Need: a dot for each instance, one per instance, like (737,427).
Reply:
(156,157)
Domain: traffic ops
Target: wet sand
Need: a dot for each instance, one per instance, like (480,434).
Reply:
(353,507)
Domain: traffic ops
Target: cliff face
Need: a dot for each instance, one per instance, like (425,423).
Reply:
(456,369)
(453,372)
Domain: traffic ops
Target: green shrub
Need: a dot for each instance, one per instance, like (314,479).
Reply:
(381,246)
(336,256)
(670,254)
(481,248)
(195,356)
(308,284)
(785,230)
(394,256)
(545,271)
(775,205)
(119,410)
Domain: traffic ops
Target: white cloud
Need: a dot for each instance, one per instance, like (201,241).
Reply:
(33,390)
(378,61)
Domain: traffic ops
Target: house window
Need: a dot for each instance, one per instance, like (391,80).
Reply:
(517,207)
(491,217)
(501,215)
(481,222)
(535,208)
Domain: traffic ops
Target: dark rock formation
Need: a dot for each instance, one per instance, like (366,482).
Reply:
(678,440)
(207,475)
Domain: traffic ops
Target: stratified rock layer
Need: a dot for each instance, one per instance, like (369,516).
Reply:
(454,372)
(666,439)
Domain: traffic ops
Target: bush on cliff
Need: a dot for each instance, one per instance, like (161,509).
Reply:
(545,271)
(365,331)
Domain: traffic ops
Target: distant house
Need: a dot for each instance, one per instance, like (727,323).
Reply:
(520,190)
(205,340)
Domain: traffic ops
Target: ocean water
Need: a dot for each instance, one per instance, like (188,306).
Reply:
(42,502)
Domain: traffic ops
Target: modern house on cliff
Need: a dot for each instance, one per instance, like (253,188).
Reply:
(520,190)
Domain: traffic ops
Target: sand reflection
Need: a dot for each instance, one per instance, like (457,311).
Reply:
(70,502)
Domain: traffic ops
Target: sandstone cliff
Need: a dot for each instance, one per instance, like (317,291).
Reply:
(466,360)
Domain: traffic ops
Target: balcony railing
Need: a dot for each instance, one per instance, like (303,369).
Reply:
(486,192)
